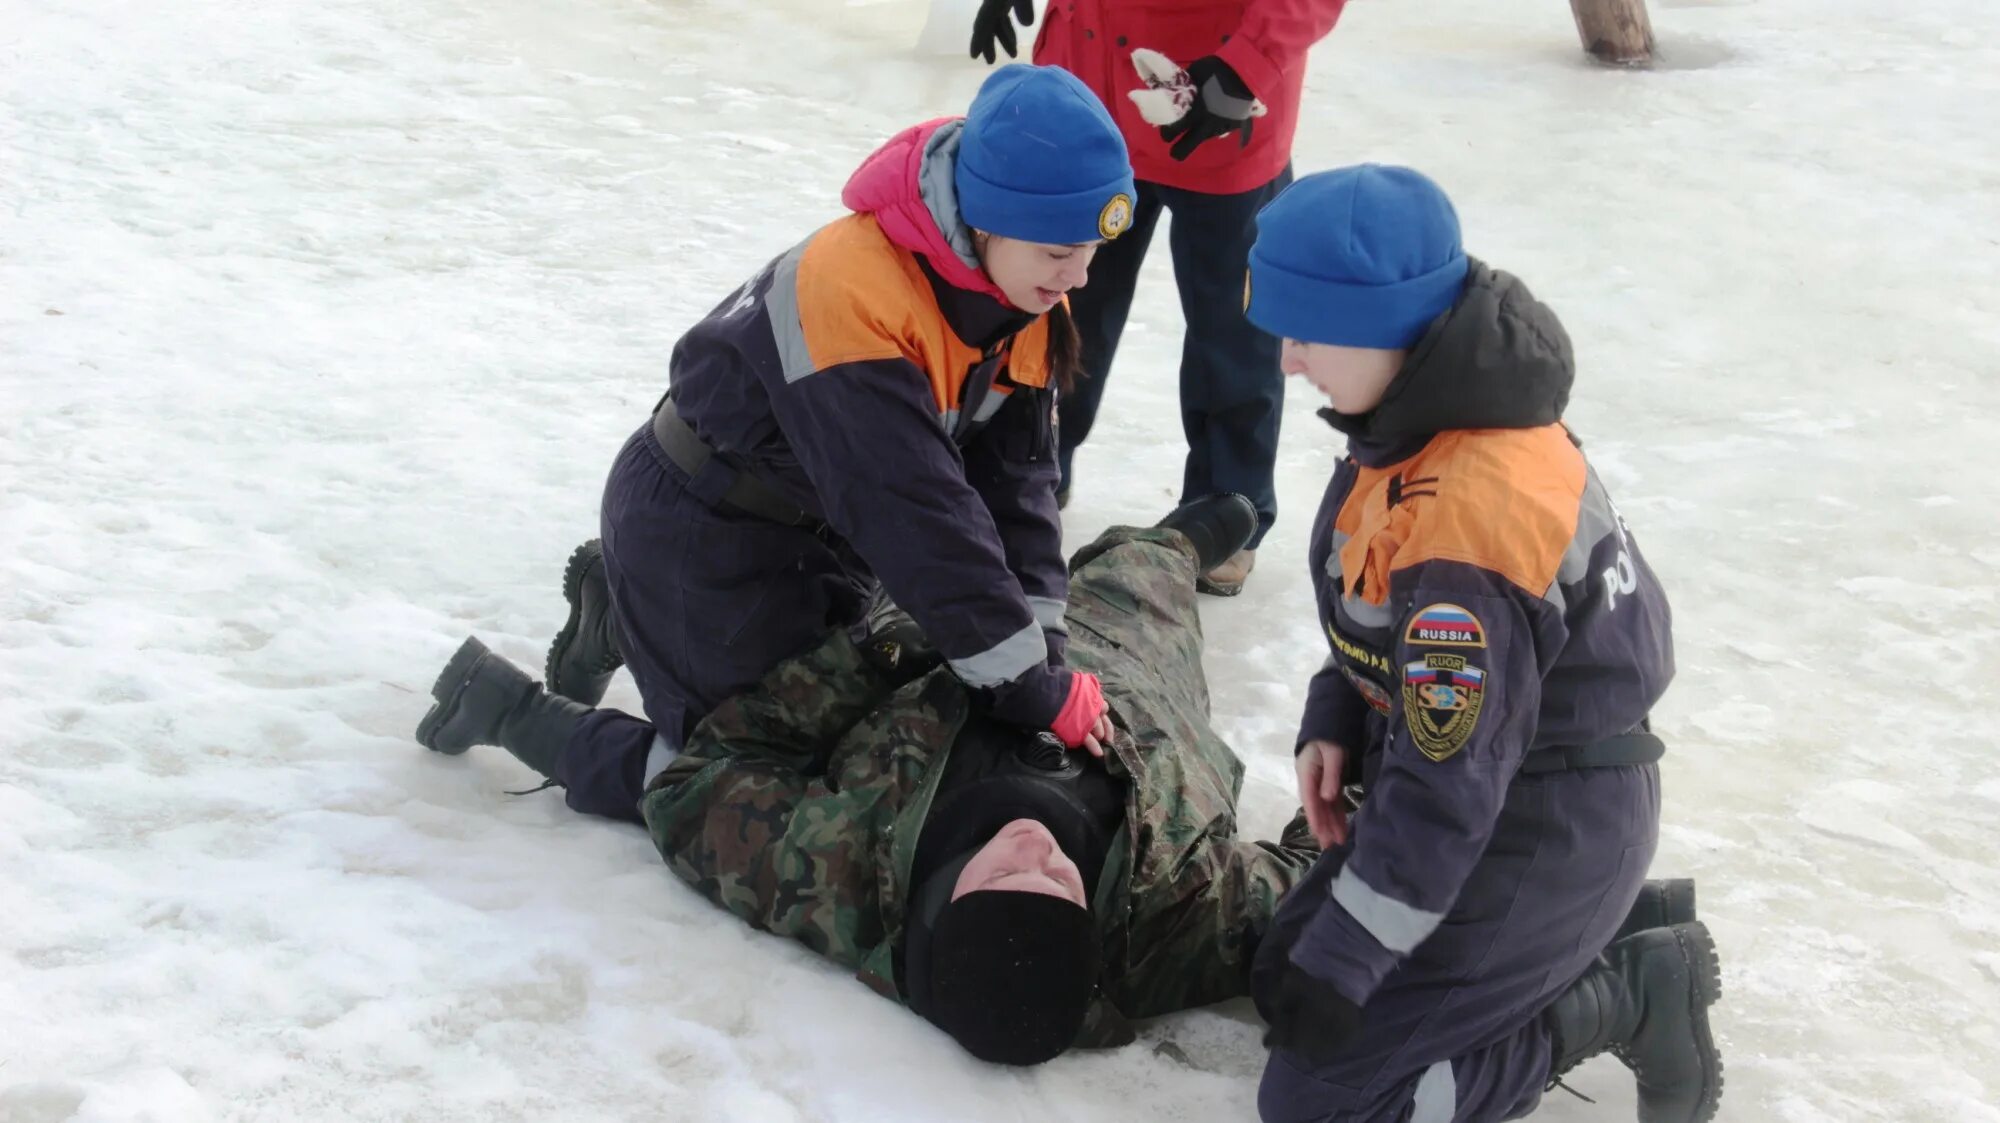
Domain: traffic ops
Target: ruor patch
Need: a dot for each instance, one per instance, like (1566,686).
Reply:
(1441,699)
(1445,625)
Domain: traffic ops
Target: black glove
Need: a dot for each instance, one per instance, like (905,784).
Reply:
(1305,1015)
(992,24)
(891,641)
(1309,1017)
(1221,106)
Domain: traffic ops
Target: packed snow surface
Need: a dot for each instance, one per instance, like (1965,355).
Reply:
(321,320)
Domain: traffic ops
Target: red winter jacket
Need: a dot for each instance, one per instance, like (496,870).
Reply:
(1264,41)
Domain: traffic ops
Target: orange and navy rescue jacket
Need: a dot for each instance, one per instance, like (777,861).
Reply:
(877,378)
(1482,598)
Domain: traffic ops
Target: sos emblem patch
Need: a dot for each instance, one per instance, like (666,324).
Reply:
(1442,696)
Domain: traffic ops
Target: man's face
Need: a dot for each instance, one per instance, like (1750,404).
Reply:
(1023,858)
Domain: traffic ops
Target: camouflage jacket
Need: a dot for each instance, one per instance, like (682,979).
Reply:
(797,805)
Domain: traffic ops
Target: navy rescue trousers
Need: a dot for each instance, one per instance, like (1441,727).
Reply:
(1232,393)
(706,602)
(1455,1033)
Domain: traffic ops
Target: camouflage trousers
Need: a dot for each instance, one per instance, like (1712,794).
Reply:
(796,805)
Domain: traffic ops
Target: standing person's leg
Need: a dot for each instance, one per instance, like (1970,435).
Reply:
(1099,309)
(1232,393)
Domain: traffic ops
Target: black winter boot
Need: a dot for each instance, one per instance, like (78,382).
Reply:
(1646,1002)
(585,653)
(1219,525)
(1661,904)
(482,699)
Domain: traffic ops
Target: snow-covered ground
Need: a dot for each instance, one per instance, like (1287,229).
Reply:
(320,321)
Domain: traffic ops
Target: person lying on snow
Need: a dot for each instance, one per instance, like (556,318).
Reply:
(1023,898)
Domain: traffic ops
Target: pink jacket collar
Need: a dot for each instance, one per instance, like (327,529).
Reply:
(908,186)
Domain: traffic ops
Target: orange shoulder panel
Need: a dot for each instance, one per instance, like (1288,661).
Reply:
(861,298)
(1504,500)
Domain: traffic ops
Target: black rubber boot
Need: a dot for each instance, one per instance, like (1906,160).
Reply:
(1646,1002)
(1661,904)
(1218,525)
(585,653)
(482,699)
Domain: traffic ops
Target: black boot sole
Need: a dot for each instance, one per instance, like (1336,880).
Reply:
(448,690)
(1204,585)
(580,560)
(1705,989)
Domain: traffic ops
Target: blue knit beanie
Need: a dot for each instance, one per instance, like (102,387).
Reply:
(1040,160)
(1365,256)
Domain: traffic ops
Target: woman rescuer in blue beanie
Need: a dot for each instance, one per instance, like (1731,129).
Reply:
(870,415)
(1497,643)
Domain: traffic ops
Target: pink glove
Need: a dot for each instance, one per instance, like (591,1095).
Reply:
(1081,710)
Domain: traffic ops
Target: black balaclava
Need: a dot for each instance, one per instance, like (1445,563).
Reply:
(1010,975)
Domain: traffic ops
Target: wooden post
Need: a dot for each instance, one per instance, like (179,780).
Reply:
(1615,31)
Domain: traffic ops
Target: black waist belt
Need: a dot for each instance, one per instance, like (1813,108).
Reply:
(1626,748)
(718,483)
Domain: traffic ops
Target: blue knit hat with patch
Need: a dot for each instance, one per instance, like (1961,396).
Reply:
(1042,161)
(1365,256)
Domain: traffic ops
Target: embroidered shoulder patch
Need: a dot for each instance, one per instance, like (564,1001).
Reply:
(1442,695)
(1371,691)
(1445,625)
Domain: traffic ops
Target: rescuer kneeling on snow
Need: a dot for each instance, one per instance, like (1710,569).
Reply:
(876,405)
(1497,644)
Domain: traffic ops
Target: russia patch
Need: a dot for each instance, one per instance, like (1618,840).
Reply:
(1445,625)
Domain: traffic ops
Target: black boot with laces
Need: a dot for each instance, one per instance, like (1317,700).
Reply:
(1645,1001)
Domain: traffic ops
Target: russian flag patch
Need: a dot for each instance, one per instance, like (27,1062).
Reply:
(1445,625)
